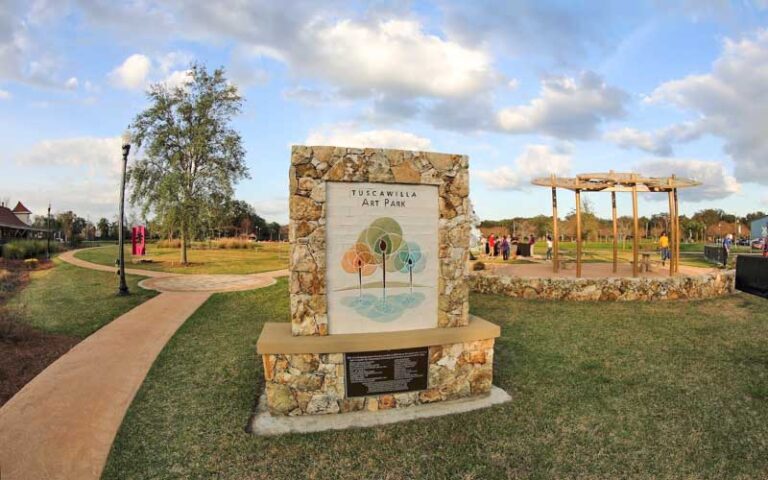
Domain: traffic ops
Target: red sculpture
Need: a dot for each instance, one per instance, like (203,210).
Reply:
(138,241)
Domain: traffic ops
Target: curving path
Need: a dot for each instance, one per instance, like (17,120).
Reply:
(61,424)
(182,282)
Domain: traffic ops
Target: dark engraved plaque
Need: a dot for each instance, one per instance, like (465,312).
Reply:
(386,371)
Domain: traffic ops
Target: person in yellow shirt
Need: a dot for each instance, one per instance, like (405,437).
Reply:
(664,247)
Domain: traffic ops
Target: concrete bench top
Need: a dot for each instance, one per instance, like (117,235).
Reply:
(277,338)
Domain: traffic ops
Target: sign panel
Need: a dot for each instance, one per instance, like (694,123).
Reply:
(387,371)
(381,257)
(759,228)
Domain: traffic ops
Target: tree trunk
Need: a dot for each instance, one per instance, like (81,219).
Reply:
(183,244)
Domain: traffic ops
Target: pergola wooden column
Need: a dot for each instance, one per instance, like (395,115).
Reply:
(618,182)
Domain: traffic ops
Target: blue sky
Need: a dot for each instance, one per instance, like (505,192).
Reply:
(524,88)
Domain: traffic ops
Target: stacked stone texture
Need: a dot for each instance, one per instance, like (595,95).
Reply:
(312,384)
(605,289)
(311,167)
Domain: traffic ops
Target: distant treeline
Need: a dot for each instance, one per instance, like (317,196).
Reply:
(704,225)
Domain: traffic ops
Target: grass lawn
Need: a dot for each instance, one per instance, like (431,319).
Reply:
(643,390)
(74,301)
(265,257)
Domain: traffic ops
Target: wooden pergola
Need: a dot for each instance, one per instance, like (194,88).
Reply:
(618,182)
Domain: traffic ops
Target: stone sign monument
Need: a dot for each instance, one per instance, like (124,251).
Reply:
(379,300)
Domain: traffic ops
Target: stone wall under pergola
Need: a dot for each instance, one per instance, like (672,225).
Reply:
(618,182)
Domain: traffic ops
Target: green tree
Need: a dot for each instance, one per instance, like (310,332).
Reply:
(103,226)
(274,230)
(710,216)
(192,155)
(751,217)
(260,226)
(239,217)
(69,223)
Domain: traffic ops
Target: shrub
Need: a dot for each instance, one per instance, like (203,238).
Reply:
(8,281)
(478,266)
(233,243)
(219,243)
(31,263)
(22,249)
(174,243)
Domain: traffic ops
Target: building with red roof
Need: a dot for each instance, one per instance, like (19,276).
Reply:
(16,223)
(23,213)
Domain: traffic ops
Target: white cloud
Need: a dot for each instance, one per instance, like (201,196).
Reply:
(172,60)
(513,84)
(132,73)
(178,78)
(534,161)
(22,56)
(347,136)
(566,108)
(71,83)
(716,182)
(397,56)
(80,174)
(101,156)
(5,94)
(732,102)
(561,31)
(87,197)
(309,96)
(274,209)
(322,40)
(659,142)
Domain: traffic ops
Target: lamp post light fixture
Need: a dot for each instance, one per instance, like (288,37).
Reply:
(123,288)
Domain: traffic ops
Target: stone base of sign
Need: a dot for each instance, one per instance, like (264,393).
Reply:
(312,383)
(264,423)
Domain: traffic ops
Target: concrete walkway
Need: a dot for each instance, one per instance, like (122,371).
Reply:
(69,257)
(61,425)
(182,282)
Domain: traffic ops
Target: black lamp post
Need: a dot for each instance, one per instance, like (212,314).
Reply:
(48,239)
(123,289)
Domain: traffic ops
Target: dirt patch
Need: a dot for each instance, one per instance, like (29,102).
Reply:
(24,351)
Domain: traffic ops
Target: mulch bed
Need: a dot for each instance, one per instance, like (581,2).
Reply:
(24,351)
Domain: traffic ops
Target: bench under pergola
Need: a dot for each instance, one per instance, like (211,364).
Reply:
(618,182)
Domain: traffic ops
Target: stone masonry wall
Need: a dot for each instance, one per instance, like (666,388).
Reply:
(311,384)
(311,167)
(605,289)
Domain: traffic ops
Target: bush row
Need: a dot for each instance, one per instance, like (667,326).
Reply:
(221,243)
(21,249)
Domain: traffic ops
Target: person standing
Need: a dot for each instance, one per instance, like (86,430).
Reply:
(727,244)
(491,243)
(664,247)
(505,248)
(765,239)
(484,244)
(549,247)
(532,242)
(513,248)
